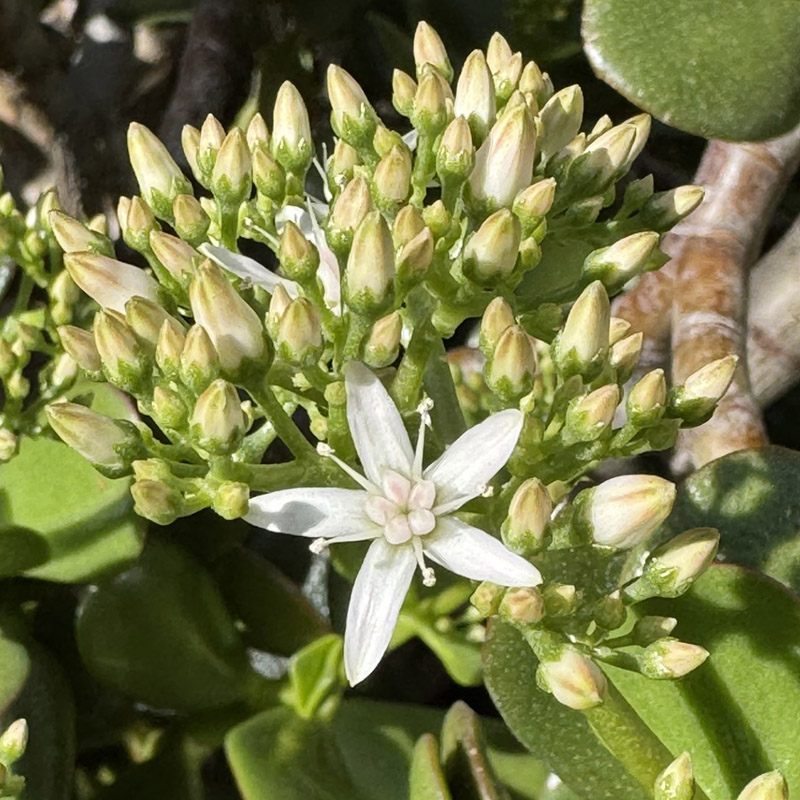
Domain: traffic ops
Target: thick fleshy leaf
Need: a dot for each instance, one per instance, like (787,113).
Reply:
(465,468)
(14,668)
(378,593)
(476,555)
(426,779)
(313,512)
(674,60)
(249,269)
(378,432)
(165,604)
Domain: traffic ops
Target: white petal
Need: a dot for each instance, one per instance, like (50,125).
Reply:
(376,425)
(474,554)
(475,458)
(319,513)
(296,214)
(248,268)
(410,139)
(378,594)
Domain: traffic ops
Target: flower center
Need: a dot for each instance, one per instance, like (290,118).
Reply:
(403,510)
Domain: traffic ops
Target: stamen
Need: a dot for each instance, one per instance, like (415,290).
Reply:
(428,575)
(485,490)
(318,546)
(273,241)
(423,409)
(326,451)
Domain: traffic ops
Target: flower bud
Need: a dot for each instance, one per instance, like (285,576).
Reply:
(667,659)
(191,221)
(506,77)
(109,282)
(383,343)
(231,500)
(8,359)
(666,209)
(486,599)
(169,411)
(231,178)
(625,259)
(9,445)
(511,370)
(190,142)
(404,89)
(504,162)
(138,224)
(98,438)
(145,319)
(589,417)
(647,629)
(234,328)
(81,348)
(475,96)
(370,266)
(532,204)
(278,303)
(299,258)
(491,252)
(257,134)
(158,176)
(456,155)
(574,680)
(528,517)
(497,318)
(341,163)
(583,343)
(268,176)
(177,257)
(609,612)
(622,512)
(74,237)
(429,49)
(299,334)
(696,400)
(647,398)
(560,599)
(641,123)
(416,256)
(533,82)
(64,290)
(169,347)
(769,786)
(218,423)
(13,742)
(560,120)
(156,501)
(677,564)
(352,117)
(430,111)
(618,328)
(522,606)
(498,51)
(212,135)
(199,362)
(437,218)
(392,181)
(124,361)
(605,158)
(292,146)
(676,782)
(407,225)
(625,355)
(349,210)
(18,386)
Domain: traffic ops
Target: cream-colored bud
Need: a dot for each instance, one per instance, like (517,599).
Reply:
(486,599)
(437,218)
(383,343)
(9,445)
(159,177)
(769,786)
(156,501)
(560,120)
(349,211)
(298,257)
(212,135)
(711,381)
(404,89)
(341,163)
(352,117)
(504,162)
(430,110)
(278,303)
(589,417)
(668,659)
(81,347)
(64,290)
(407,225)
(456,155)
(13,742)
(625,355)
(583,343)
(522,606)
(74,237)
(257,134)
(138,225)
(392,181)
(416,256)
(123,207)
(191,221)
(123,359)
(231,500)
(491,252)
(666,209)
(683,559)
(65,370)
(618,328)
(498,52)
(146,319)
(602,125)
(614,146)
(109,282)
(575,680)
(234,328)
(622,512)
(507,76)
(497,317)
(169,411)
(190,142)
(169,347)
(532,204)
(533,82)
(231,178)
(511,369)
(642,124)
(370,266)
(177,257)
(429,49)
(299,338)
(676,782)
(268,176)
(199,361)
(96,437)
(528,517)
(218,422)
(623,260)
(292,146)
(647,398)
(475,95)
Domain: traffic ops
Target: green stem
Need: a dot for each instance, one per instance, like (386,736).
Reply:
(357,328)
(271,477)
(24,294)
(288,432)
(424,169)
(228,219)
(411,371)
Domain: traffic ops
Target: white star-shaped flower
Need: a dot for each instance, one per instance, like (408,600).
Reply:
(406,510)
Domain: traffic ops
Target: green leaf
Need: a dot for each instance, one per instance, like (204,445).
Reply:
(278,618)
(316,674)
(722,69)
(277,754)
(15,666)
(734,714)
(160,633)
(753,498)
(558,735)
(426,780)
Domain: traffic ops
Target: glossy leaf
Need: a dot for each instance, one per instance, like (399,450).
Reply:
(159,632)
(426,779)
(14,669)
(723,69)
(316,674)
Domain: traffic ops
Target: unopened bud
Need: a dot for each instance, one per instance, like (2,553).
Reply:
(506,77)
(532,204)
(407,225)
(13,742)
(159,177)
(560,599)
(234,328)
(9,445)
(769,786)
(533,82)
(429,49)
(416,256)
(437,218)
(156,501)
(498,51)
(199,362)
(218,423)
(81,347)
(676,565)
(231,500)
(392,181)
(475,96)
(589,417)
(383,342)
(604,159)
(430,110)
(74,237)
(647,398)
(146,319)
(268,176)
(610,612)
(625,259)
(177,257)
(190,143)
(647,629)
(676,782)
(370,266)
(522,606)
(486,599)
(257,134)
(278,303)
(404,89)
(666,209)
(98,438)
(349,211)
(341,163)
(169,347)
(668,659)
(292,146)
(191,221)
(641,123)
(574,680)
(124,361)
(212,135)
(64,290)
(456,155)
(560,120)
(623,511)
(299,258)
(528,517)
(352,117)
(625,355)
(109,282)
(618,328)
(491,252)
(696,400)
(231,178)
(169,411)
(138,224)
(497,318)
(512,368)
(299,338)
(583,344)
